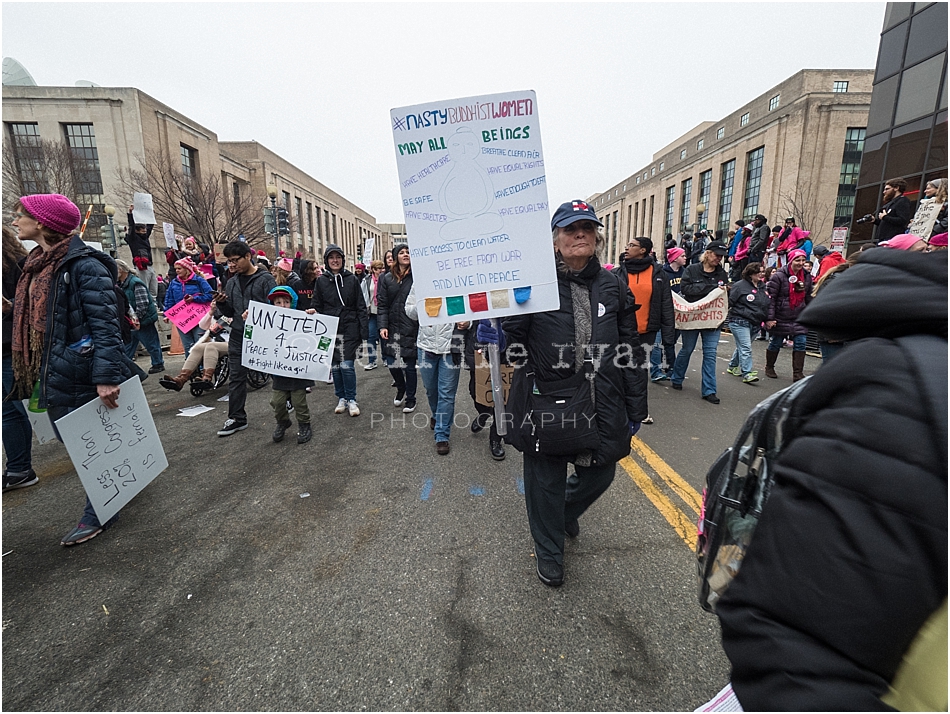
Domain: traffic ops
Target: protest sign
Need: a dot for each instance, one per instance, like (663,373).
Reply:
(368,250)
(186,315)
(483,390)
(475,200)
(169,230)
(116,452)
(838,237)
(922,224)
(142,211)
(707,313)
(42,426)
(288,343)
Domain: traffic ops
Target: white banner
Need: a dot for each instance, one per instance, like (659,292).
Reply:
(116,452)
(142,211)
(476,204)
(704,314)
(288,343)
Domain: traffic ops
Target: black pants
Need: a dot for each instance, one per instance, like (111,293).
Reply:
(551,500)
(237,381)
(484,411)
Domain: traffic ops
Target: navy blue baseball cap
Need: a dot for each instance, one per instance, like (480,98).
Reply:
(573,211)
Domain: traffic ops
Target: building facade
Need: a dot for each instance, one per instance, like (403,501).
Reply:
(907,124)
(794,150)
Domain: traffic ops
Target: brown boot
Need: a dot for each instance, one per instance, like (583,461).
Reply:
(175,383)
(207,375)
(770,359)
(798,366)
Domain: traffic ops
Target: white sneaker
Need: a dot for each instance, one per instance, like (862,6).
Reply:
(353,407)
(340,407)
(373,365)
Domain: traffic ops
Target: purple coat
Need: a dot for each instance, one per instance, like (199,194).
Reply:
(780,308)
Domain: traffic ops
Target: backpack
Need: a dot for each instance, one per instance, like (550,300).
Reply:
(737,486)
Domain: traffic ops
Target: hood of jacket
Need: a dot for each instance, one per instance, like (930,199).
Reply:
(331,248)
(887,293)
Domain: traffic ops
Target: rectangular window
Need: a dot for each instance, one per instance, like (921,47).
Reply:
(653,171)
(310,219)
(687,199)
(189,161)
(625,188)
(682,154)
(753,181)
(615,231)
(773,102)
(662,165)
(236,192)
(720,132)
(638,180)
(705,188)
(81,140)
(670,199)
(316,210)
(744,119)
(333,223)
(285,200)
(645,177)
(699,145)
(725,194)
(839,87)
(326,228)
(848,178)
(28,157)
(299,206)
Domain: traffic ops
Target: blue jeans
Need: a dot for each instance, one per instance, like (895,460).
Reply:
(344,380)
(373,340)
(440,376)
(710,346)
(148,336)
(742,355)
(656,355)
(17,432)
(775,344)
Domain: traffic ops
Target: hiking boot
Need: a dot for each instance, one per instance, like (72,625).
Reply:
(19,479)
(442,448)
(496,449)
(353,408)
(231,426)
(340,406)
(304,433)
(80,534)
(751,377)
(734,371)
(572,528)
(282,427)
(551,574)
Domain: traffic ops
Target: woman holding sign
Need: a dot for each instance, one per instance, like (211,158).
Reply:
(187,286)
(397,330)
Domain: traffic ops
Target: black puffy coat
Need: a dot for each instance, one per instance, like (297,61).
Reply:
(83,303)
(752,310)
(780,307)
(339,295)
(620,389)
(696,283)
(850,556)
(662,318)
(391,305)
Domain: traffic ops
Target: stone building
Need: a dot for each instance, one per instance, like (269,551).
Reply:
(793,150)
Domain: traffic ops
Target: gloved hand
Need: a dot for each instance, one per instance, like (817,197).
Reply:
(634,427)
(487,334)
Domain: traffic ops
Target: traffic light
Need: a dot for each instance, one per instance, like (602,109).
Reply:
(105,235)
(120,233)
(283,224)
(269,226)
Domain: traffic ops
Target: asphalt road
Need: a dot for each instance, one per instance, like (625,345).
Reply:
(404,581)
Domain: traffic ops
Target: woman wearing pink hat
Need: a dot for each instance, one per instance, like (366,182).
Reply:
(189,286)
(789,291)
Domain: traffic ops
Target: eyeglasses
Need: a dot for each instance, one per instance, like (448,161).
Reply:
(235,261)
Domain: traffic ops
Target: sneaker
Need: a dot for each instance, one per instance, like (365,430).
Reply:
(281,429)
(353,407)
(304,433)
(734,371)
(648,420)
(551,574)
(711,398)
(22,479)
(80,534)
(231,426)
(400,398)
(751,377)
(410,406)
(156,368)
(290,407)
(442,448)
(572,528)
(340,406)
(372,365)
(660,377)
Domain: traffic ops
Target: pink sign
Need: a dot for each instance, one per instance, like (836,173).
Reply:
(186,315)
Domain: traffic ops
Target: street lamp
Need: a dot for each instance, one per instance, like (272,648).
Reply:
(110,212)
(700,212)
(272,193)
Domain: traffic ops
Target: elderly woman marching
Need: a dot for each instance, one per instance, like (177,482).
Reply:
(579,393)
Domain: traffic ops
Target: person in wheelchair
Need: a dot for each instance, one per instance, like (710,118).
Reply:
(207,352)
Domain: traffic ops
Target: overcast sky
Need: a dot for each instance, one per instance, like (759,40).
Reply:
(314,82)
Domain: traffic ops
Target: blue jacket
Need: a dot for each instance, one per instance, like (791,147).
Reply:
(196,286)
(82,347)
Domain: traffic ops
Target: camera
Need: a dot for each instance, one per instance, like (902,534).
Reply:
(867,218)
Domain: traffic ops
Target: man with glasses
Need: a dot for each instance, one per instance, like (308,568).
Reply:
(248,282)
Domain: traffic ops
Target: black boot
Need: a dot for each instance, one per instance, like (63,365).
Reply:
(478,423)
(497,449)
(303,432)
(281,429)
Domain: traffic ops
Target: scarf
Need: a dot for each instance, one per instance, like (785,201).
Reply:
(796,290)
(375,288)
(29,315)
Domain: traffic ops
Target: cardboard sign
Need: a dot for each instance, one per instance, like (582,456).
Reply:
(218,253)
(707,313)
(475,200)
(923,222)
(142,211)
(288,343)
(483,390)
(116,452)
(186,315)
(168,229)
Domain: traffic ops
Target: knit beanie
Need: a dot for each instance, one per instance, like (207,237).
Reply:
(674,253)
(54,211)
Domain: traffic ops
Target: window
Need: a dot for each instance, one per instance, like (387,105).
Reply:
(919,88)
(705,187)
(28,157)
(839,87)
(319,227)
(309,219)
(285,200)
(725,194)
(653,170)
(699,145)
(189,161)
(720,132)
(753,181)
(662,165)
(848,178)
(645,176)
(81,139)
(682,154)
(744,119)
(638,180)
(334,228)
(773,102)
(299,206)
(236,192)
(625,188)
(687,196)
(670,197)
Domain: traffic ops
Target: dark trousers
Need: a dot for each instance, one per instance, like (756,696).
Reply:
(89,516)
(17,431)
(405,377)
(484,411)
(237,382)
(552,500)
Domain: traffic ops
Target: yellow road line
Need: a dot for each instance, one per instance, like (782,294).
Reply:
(676,482)
(684,527)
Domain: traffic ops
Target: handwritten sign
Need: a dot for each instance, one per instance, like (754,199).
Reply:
(42,426)
(142,211)
(923,222)
(116,452)
(704,314)
(186,315)
(475,199)
(168,229)
(483,390)
(368,250)
(288,343)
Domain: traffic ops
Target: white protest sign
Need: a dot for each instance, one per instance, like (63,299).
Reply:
(704,314)
(142,211)
(169,230)
(476,205)
(368,250)
(116,452)
(42,426)
(838,237)
(288,343)
(923,222)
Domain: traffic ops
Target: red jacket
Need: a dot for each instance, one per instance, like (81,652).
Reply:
(831,259)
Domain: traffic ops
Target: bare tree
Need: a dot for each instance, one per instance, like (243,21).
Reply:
(201,206)
(812,212)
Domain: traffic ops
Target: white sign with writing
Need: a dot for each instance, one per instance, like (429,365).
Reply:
(475,200)
(168,229)
(704,314)
(839,235)
(288,343)
(116,452)
(142,211)
(368,251)
(42,426)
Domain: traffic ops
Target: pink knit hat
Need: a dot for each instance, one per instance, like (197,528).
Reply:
(798,252)
(54,211)
(902,242)
(674,253)
(188,264)
(939,239)
(285,264)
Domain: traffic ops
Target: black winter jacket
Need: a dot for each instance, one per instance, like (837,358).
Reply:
(850,556)
(754,310)
(759,243)
(340,296)
(83,304)
(896,220)
(259,285)
(661,305)
(696,283)
(391,304)
(780,306)
(620,389)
